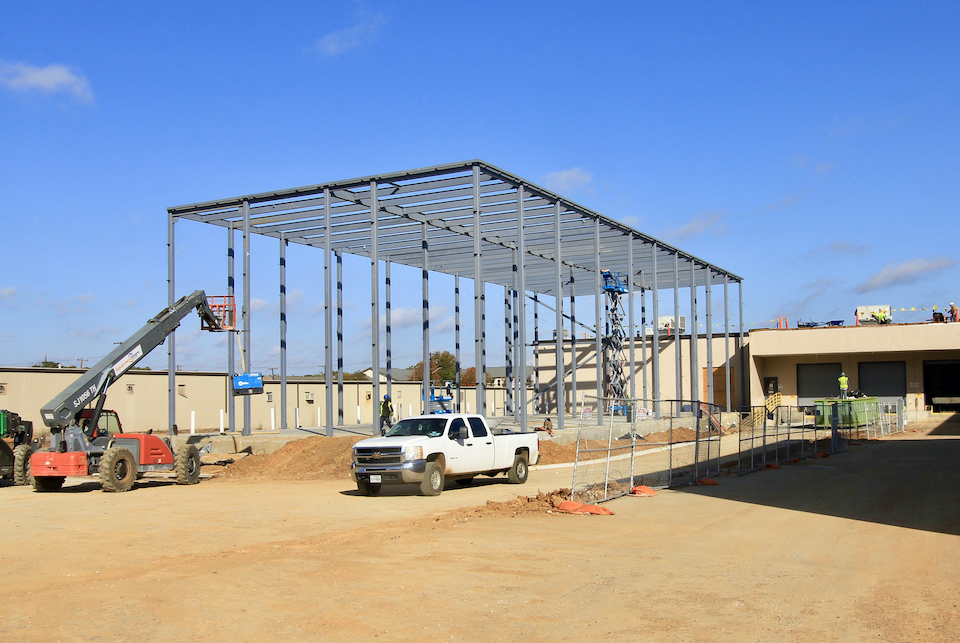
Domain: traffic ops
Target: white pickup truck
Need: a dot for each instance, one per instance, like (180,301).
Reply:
(429,449)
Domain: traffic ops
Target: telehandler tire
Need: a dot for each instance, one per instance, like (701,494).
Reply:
(118,470)
(187,464)
(21,465)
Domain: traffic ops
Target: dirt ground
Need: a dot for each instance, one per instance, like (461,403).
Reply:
(859,546)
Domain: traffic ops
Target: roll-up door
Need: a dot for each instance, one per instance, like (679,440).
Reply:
(817,381)
(885,380)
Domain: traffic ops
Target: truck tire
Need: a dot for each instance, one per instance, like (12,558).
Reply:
(118,470)
(187,464)
(45,484)
(368,489)
(432,483)
(21,465)
(518,472)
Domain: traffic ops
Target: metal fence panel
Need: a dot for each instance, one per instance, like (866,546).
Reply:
(641,442)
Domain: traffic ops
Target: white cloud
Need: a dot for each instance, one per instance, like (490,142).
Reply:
(50,79)
(568,180)
(632,220)
(840,248)
(785,202)
(257,305)
(7,293)
(906,272)
(365,30)
(708,222)
(818,290)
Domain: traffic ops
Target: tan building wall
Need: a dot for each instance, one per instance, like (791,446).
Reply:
(140,398)
(777,353)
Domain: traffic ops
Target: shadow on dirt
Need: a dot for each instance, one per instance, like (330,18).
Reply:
(414,489)
(86,486)
(907,481)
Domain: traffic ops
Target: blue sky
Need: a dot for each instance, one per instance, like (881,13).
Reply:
(811,148)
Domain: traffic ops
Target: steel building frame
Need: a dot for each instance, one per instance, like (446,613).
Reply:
(471,220)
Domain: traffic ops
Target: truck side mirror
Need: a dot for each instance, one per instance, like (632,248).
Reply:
(461,433)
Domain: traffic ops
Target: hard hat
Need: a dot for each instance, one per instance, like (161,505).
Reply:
(842,374)
(386,397)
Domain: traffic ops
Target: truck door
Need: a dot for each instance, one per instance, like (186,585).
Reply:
(482,444)
(468,455)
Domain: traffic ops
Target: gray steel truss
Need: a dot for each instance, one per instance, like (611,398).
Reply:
(471,220)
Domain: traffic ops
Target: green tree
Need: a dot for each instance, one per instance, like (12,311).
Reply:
(443,368)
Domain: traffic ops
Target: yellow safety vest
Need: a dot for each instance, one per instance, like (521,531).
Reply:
(843,382)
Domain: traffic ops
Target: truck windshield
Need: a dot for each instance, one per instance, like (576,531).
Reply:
(430,427)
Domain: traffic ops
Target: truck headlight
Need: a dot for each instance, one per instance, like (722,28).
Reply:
(413,453)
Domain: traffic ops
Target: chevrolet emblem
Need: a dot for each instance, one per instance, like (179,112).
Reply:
(376,455)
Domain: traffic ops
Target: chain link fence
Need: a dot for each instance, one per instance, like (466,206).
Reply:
(642,442)
(774,434)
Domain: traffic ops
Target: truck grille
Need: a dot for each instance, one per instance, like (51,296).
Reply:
(378,455)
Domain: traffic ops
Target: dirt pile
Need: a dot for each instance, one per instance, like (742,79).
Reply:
(540,503)
(316,458)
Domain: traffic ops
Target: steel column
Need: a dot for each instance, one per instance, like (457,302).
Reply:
(558,335)
(643,333)
(283,331)
(522,309)
(339,258)
(246,357)
(171,338)
(726,340)
(479,302)
(456,323)
(231,356)
(375,302)
(676,325)
(598,340)
(536,352)
(655,353)
(328,314)
(744,400)
(630,319)
(386,275)
(425,316)
(508,348)
(573,341)
(694,341)
(709,305)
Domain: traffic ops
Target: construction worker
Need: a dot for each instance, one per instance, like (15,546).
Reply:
(954,312)
(843,385)
(386,414)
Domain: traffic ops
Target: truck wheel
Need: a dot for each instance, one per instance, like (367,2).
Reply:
(518,472)
(21,465)
(44,484)
(464,482)
(187,464)
(432,483)
(118,470)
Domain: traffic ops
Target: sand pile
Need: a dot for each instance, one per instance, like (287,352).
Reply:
(540,503)
(316,458)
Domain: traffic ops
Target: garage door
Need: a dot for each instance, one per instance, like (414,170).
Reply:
(885,380)
(941,384)
(817,381)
